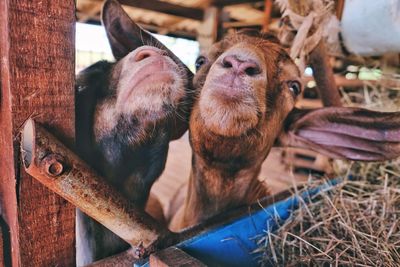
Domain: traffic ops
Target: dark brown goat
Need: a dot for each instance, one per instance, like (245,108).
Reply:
(248,87)
(127,112)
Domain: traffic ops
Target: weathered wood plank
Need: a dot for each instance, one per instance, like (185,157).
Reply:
(37,78)
(208,31)
(173,256)
(166,8)
(124,259)
(231,2)
(267,15)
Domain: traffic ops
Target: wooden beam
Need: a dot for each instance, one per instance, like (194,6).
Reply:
(208,31)
(91,10)
(37,79)
(231,2)
(124,259)
(267,15)
(339,9)
(173,256)
(166,8)
(241,24)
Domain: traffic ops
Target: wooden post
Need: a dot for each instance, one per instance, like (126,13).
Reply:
(37,79)
(267,14)
(323,75)
(339,9)
(208,31)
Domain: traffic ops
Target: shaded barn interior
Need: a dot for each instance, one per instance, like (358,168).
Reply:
(184,19)
(206,21)
(37,80)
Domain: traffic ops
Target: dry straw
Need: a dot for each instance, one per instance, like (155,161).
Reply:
(354,224)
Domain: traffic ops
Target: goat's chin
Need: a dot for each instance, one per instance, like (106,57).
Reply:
(152,99)
(229,122)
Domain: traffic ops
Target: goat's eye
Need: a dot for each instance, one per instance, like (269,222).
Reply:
(200,61)
(295,87)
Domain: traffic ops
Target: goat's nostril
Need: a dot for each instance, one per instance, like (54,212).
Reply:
(246,66)
(226,63)
(146,53)
(142,56)
(251,71)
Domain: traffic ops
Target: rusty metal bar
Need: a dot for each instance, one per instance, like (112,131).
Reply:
(50,162)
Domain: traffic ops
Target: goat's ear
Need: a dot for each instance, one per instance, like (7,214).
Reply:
(351,133)
(125,35)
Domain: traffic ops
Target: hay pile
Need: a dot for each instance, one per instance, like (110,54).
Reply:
(357,223)
(354,224)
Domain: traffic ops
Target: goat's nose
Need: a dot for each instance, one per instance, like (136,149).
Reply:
(147,52)
(248,66)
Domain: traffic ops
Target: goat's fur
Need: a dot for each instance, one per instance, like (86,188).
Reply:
(247,92)
(127,113)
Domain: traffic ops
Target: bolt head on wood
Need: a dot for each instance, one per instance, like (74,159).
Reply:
(53,165)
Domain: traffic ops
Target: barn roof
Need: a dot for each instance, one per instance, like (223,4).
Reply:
(182,17)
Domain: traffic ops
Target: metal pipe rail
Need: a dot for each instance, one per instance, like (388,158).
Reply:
(54,165)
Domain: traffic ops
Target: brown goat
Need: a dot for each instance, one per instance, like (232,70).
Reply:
(248,87)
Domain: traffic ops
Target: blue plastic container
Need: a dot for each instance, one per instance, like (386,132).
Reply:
(234,244)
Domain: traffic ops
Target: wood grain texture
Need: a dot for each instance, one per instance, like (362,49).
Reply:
(37,79)
(7,170)
(167,8)
(124,259)
(267,15)
(173,256)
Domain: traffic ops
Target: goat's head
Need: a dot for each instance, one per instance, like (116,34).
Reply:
(128,111)
(148,83)
(248,84)
(248,87)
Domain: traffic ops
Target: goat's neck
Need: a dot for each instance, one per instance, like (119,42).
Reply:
(224,175)
(133,158)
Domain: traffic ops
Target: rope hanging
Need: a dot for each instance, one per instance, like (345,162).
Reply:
(320,22)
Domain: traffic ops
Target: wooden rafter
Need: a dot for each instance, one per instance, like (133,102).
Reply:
(231,2)
(166,8)
(267,14)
